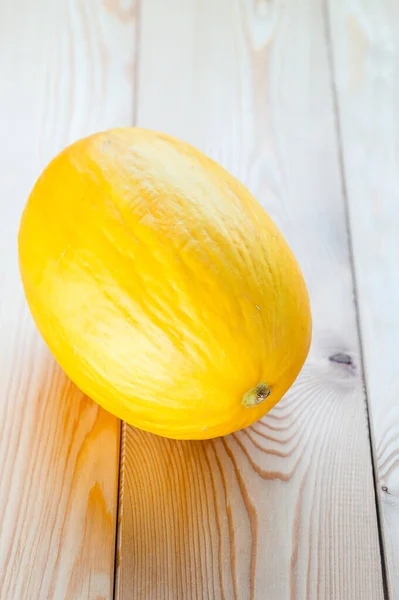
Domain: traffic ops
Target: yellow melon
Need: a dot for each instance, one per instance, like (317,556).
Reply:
(161,286)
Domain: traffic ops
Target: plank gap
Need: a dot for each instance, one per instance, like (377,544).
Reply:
(136,71)
(119,508)
(123,426)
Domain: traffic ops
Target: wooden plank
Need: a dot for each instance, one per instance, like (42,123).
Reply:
(366,60)
(65,71)
(284,509)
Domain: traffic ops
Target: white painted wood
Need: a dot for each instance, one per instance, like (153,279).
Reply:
(66,69)
(365,36)
(284,509)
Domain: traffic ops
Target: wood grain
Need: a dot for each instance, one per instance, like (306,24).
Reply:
(366,67)
(284,509)
(65,71)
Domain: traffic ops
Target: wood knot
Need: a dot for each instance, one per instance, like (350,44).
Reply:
(342,359)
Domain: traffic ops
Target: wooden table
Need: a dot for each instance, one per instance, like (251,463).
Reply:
(300,100)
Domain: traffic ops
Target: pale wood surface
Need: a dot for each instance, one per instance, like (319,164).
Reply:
(366,68)
(66,69)
(285,509)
